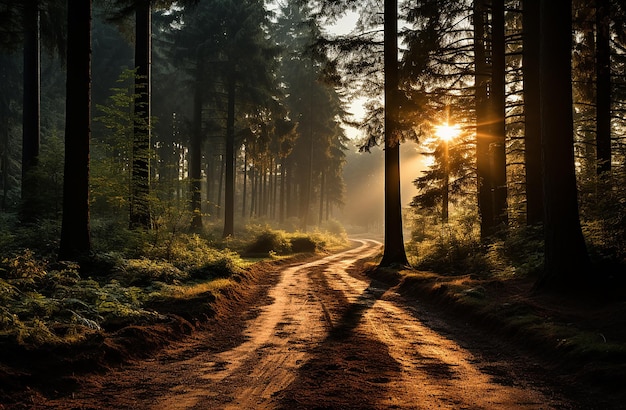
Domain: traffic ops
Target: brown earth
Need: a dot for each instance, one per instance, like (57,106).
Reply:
(315,334)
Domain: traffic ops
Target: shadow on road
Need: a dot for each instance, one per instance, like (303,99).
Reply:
(348,369)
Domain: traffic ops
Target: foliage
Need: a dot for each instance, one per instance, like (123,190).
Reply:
(47,177)
(456,248)
(144,271)
(269,241)
(113,235)
(113,151)
(42,239)
(279,242)
(45,302)
(303,244)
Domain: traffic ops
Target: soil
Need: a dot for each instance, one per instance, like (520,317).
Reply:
(313,334)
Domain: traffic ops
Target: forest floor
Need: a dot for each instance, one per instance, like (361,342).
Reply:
(331,332)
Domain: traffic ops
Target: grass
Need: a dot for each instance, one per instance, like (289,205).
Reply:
(193,290)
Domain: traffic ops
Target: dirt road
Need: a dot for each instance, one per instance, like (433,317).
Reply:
(328,338)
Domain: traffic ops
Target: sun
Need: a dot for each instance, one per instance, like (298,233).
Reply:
(446,132)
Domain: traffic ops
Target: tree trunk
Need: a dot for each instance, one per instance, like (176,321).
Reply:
(210,184)
(289,194)
(498,114)
(195,151)
(532,112)
(394,253)
(75,232)
(603,87)
(258,209)
(4,158)
(263,195)
(328,207)
(275,190)
(322,189)
(229,159)
(31,124)
(566,261)
(253,189)
(140,185)
(281,206)
(245,183)
(220,186)
(483,137)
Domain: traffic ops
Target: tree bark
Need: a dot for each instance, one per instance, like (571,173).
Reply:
(281,204)
(4,157)
(532,112)
(210,183)
(140,185)
(253,189)
(275,189)
(322,191)
(603,86)
(75,231)
(220,186)
(195,151)
(394,253)
(498,113)
(566,264)
(245,183)
(229,159)
(483,135)
(289,188)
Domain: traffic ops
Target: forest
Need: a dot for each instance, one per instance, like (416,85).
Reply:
(156,155)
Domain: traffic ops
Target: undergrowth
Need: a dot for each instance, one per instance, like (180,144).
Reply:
(46,302)
(456,248)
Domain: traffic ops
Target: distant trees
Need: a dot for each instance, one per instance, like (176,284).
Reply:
(232,66)
(139,206)
(9,148)
(314,157)
(140,215)
(35,23)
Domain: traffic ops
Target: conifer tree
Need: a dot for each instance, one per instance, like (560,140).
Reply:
(75,230)
(566,261)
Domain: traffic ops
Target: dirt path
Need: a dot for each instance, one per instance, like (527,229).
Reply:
(329,339)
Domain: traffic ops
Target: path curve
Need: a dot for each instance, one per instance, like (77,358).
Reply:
(330,338)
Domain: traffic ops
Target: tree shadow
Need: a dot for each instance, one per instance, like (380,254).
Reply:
(348,369)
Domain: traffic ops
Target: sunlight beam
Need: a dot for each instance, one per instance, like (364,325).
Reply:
(447,132)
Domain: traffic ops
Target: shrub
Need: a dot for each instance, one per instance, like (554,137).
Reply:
(114,236)
(24,270)
(222,267)
(145,271)
(269,241)
(303,244)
